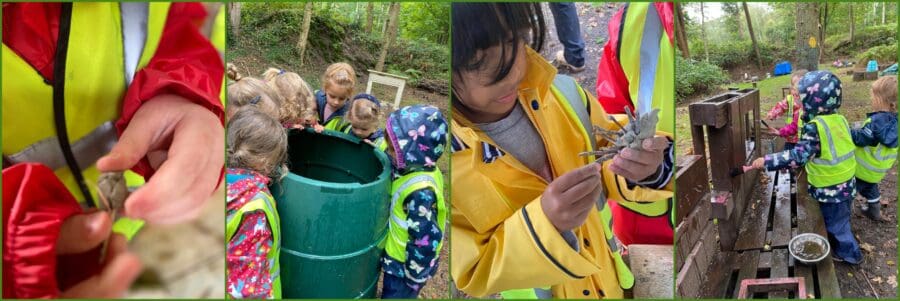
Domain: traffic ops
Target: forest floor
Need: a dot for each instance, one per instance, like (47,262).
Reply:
(877,239)
(594,18)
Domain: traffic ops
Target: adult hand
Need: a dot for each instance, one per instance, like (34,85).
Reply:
(83,232)
(638,164)
(569,199)
(773,131)
(759,163)
(184,143)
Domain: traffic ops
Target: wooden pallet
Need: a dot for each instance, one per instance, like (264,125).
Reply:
(727,125)
(761,251)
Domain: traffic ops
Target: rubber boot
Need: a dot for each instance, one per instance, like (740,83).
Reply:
(872,210)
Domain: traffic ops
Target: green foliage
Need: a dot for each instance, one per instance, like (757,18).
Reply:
(694,77)
(864,38)
(337,33)
(736,53)
(882,54)
(425,20)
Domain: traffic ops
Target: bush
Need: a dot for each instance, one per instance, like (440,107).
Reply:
(865,38)
(272,33)
(737,53)
(883,54)
(694,76)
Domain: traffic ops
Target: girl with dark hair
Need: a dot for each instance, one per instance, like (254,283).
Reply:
(529,214)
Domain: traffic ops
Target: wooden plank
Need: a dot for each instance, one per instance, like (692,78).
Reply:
(718,275)
(692,180)
(749,262)
(687,282)
(753,230)
(781,222)
(765,260)
(698,138)
(805,271)
(750,287)
(652,268)
(828,282)
(688,232)
(711,111)
(722,205)
(809,220)
(704,254)
(779,270)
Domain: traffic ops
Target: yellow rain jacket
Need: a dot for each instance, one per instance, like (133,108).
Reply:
(502,240)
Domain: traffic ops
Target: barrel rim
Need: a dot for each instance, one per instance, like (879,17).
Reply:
(382,157)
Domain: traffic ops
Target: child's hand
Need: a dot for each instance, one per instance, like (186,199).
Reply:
(84,232)
(773,131)
(636,165)
(184,142)
(298,126)
(569,199)
(759,163)
(369,142)
(319,128)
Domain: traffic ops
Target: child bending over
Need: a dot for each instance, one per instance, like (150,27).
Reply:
(257,150)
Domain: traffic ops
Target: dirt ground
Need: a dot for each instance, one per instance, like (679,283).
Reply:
(877,275)
(593,18)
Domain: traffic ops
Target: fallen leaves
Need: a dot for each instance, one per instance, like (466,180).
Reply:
(867,247)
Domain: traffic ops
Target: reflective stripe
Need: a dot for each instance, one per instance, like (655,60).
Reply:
(135,16)
(395,199)
(87,150)
(527,293)
(878,155)
(835,159)
(860,160)
(649,59)
(567,88)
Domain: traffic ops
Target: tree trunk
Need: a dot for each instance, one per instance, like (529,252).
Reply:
(680,34)
(304,32)
(370,7)
(234,14)
(759,63)
(390,34)
(384,23)
(883,6)
(852,22)
(823,28)
(807,21)
(703,32)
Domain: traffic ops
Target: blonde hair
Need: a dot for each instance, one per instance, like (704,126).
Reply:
(250,92)
(340,76)
(796,76)
(257,142)
(884,92)
(364,114)
(297,100)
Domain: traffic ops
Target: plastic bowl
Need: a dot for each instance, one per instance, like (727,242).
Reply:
(809,248)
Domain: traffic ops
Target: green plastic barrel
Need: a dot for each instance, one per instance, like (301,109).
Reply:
(334,207)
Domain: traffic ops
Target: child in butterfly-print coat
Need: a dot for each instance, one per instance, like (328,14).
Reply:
(416,138)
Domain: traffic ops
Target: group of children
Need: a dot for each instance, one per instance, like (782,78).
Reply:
(840,160)
(260,113)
